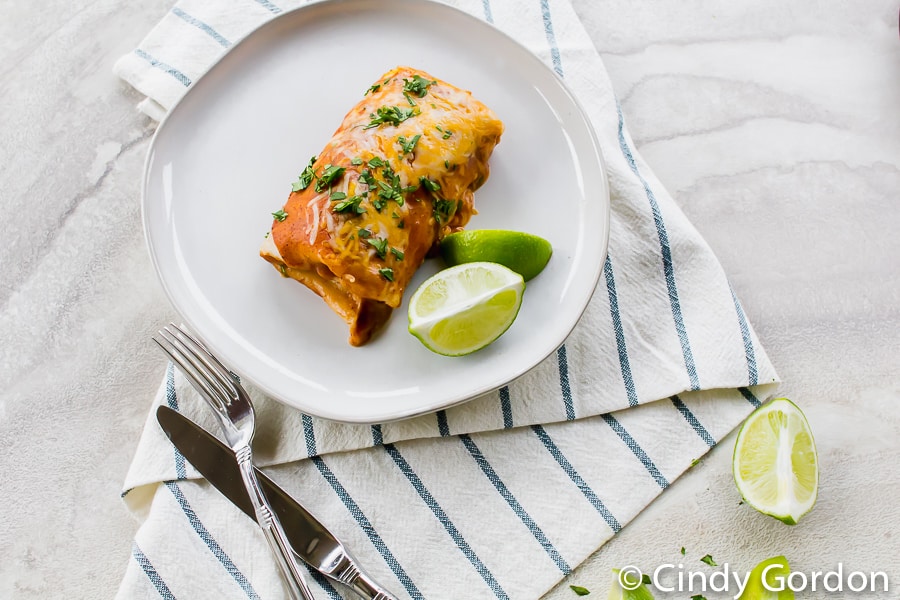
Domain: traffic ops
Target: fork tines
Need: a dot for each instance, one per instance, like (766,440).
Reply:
(204,371)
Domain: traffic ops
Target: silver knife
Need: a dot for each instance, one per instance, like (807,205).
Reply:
(310,540)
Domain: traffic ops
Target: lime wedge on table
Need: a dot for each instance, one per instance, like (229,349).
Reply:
(464,308)
(776,572)
(524,253)
(635,590)
(775,464)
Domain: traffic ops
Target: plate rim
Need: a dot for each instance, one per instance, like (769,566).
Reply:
(489,385)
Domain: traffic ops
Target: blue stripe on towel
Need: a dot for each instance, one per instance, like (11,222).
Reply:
(488,16)
(377,436)
(324,583)
(172,402)
(517,508)
(551,37)
(269,6)
(624,365)
(751,398)
(566,466)
(637,450)
(171,397)
(309,434)
(151,573)
(211,543)
(201,26)
(181,77)
(666,251)
(692,420)
(506,407)
(442,517)
(367,528)
(564,387)
(443,425)
(752,374)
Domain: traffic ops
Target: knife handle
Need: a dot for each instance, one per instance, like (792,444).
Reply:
(274,532)
(368,589)
(348,573)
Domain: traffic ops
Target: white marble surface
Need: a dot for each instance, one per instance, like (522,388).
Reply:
(774,124)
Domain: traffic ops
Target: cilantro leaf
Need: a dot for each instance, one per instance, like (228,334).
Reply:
(351,204)
(306,177)
(407,146)
(418,85)
(708,559)
(580,591)
(280,215)
(387,273)
(328,176)
(393,115)
(380,245)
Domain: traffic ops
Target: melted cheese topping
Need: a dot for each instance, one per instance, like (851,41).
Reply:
(372,253)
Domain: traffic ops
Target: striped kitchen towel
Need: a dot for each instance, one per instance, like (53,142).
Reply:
(504,495)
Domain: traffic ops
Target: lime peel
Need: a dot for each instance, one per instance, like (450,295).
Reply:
(775,570)
(524,253)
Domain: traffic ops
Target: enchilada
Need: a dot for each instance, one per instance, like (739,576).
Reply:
(397,176)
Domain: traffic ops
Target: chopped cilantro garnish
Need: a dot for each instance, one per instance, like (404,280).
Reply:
(447,164)
(407,146)
(418,85)
(387,273)
(364,234)
(351,204)
(366,177)
(447,133)
(376,162)
(393,115)
(306,177)
(398,253)
(698,597)
(645,579)
(443,209)
(356,161)
(380,245)
(328,176)
(429,184)
(373,89)
(409,99)
(400,224)
(682,551)
(280,215)
(708,559)
(580,591)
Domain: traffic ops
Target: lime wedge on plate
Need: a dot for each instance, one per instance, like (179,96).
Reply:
(633,590)
(776,572)
(524,253)
(775,464)
(464,308)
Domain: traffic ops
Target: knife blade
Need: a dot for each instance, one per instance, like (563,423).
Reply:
(309,538)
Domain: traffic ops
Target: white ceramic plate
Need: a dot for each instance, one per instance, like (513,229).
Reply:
(224,158)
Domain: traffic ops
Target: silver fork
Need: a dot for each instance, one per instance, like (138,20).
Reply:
(234,410)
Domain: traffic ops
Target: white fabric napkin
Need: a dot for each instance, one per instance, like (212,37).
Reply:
(504,495)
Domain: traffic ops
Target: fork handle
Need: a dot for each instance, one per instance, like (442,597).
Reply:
(274,532)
